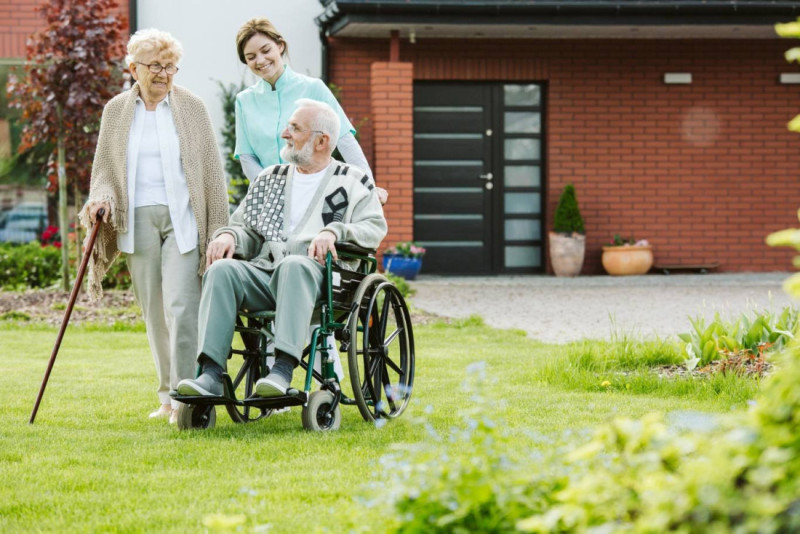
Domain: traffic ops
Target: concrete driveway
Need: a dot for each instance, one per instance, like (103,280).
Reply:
(559,310)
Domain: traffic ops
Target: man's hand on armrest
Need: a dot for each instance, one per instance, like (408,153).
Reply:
(222,247)
(320,246)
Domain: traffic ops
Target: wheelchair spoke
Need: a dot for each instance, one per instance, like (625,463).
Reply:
(384,321)
(375,383)
(389,390)
(243,370)
(388,361)
(391,338)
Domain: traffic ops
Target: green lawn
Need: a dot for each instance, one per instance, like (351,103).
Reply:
(93,462)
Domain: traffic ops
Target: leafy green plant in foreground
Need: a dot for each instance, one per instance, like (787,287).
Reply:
(741,473)
(762,332)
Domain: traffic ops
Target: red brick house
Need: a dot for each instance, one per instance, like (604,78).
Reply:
(668,116)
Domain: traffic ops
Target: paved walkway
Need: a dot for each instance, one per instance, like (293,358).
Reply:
(559,310)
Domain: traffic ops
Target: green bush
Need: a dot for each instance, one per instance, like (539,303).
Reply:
(400,283)
(118,276)
(567,218)
(34,266)
(28,265)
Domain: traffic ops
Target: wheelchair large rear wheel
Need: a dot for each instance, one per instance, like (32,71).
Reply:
(380,350)
(244,384)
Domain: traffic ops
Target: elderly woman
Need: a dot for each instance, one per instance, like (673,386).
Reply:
(158,175)
(262,111)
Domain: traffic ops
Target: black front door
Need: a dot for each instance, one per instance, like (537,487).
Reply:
(477,177)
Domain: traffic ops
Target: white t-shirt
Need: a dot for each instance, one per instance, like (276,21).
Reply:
(150,187)
(303,188)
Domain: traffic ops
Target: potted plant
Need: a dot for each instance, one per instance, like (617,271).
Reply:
(404,259)
(625,256)
(568,238)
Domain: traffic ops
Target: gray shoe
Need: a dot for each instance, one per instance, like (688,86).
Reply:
(202,386)
(273,385)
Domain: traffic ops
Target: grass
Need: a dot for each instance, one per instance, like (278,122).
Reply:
(94,462)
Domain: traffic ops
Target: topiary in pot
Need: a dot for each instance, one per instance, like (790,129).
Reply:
(568,238)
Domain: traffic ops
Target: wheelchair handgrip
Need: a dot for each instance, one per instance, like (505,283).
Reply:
(352,248)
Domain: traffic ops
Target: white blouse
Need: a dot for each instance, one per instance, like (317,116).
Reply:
(174,179)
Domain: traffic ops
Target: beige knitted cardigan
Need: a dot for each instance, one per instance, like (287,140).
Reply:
(201,163)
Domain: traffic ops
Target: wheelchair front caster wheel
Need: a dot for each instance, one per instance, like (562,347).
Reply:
(195,416)
(316,414)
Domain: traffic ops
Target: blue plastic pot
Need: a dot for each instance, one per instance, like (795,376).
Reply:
(408,268)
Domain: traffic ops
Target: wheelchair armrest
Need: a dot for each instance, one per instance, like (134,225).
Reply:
(352,248)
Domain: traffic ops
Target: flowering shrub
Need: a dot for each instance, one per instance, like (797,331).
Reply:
(50,236)
(619,241)
(407,249)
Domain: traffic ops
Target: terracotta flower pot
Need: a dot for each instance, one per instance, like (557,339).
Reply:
(566,253)
(626,260)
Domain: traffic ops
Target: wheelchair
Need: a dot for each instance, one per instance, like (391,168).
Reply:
(366,314)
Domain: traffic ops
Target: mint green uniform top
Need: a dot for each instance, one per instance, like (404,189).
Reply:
(262,113)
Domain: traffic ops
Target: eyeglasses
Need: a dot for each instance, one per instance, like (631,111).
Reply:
(155,68)
(294,130)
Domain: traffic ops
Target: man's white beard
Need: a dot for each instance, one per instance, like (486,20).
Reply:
(302,158)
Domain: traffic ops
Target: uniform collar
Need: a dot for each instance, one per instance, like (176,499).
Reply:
(285,79)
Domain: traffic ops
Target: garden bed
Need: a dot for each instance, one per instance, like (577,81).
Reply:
(48,306)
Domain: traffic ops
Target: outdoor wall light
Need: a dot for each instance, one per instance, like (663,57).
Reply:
(790,77)
(677,77)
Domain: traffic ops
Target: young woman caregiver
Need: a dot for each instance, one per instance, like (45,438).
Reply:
(263,109)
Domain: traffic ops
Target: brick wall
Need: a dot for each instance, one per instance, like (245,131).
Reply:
(704,171)
(392,129)
(19,19)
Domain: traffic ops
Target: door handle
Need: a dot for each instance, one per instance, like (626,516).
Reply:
(488,177)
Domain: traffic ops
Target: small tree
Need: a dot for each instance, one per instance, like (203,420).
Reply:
(568,218)
(237,187)
(71,72)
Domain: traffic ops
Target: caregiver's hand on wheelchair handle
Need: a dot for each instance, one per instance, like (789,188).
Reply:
(320,246)
(383,194)
(223,246)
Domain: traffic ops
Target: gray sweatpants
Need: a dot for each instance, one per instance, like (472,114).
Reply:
(293,290)
(167,287)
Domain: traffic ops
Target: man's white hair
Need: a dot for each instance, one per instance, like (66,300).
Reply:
(325,119)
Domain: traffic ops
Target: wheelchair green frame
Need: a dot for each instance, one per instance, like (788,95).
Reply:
(357,308)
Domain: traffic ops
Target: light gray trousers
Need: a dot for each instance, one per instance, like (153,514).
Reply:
(293,290)
(167,287)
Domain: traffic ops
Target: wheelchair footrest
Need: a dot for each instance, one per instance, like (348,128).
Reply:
(294,398)
(204,400)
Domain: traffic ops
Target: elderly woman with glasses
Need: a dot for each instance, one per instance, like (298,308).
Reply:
(157,174)
(263,110)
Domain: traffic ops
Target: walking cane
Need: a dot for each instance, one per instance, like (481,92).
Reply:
(65,320)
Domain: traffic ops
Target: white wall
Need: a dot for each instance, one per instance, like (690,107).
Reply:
(207,30)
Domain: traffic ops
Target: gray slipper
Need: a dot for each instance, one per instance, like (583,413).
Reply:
(273,385)
(202,386)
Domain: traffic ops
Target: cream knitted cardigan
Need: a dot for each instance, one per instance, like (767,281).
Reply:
(201,163)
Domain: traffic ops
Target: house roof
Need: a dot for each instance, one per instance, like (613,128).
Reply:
(556,19)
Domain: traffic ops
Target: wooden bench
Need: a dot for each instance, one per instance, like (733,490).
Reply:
(691,268)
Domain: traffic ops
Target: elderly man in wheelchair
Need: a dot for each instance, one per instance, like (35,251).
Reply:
(277,256)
